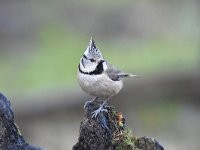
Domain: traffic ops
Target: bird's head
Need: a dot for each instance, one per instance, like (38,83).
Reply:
(91,57)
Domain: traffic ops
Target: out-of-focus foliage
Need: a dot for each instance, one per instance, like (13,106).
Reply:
(41,43)
(59,41)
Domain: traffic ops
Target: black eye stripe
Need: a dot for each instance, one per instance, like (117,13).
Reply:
(91,59)
(85,56)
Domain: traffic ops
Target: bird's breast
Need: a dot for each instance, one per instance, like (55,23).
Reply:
(99,85)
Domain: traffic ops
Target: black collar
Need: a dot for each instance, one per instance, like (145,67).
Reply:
(98,70)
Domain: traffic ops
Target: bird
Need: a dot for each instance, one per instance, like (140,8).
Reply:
(97,77)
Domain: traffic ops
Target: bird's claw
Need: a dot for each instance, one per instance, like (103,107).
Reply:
(96,112)
(86,103)
(91,101)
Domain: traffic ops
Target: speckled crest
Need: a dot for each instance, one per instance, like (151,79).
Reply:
(92,51)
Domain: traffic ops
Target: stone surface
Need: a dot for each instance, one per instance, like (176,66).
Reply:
(108,131)
(10,136)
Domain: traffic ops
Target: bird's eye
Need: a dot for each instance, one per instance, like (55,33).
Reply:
(92,60)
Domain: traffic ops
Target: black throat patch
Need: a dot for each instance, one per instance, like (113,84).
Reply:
(98,70)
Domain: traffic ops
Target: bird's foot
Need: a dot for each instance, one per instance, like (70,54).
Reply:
(86,103)
(89,102)
(96,112)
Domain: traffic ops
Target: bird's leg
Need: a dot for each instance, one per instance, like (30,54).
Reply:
(100,109)
(91,101)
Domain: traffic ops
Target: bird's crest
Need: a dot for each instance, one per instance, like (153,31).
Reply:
(92,51)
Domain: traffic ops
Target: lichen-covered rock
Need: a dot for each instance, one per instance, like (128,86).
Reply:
(108,131)
(10,136)
(95,134)
(147,143)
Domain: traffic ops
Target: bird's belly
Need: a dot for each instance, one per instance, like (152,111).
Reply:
(99,85)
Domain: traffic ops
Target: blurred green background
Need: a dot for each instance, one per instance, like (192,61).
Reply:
(41,43)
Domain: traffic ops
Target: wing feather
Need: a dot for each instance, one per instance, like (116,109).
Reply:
(114,73)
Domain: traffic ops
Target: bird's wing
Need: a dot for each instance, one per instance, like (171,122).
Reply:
(114,73)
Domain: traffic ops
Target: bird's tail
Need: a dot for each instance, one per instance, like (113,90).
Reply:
(122,75)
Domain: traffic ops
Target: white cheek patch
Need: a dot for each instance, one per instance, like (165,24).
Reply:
(105,65)
(88,67)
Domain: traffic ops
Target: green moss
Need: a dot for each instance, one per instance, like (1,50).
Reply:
(123,139)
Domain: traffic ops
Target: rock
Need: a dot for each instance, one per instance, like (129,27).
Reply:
(10,136)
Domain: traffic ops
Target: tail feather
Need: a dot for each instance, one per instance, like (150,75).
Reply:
(122,75)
